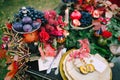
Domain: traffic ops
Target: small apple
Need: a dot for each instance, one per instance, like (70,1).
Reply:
(76,22)
(75,15)
(96,14)
(102,42)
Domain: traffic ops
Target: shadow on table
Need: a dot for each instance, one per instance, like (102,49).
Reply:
(41,75)
(116,69)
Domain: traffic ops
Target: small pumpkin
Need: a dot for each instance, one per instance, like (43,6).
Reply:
(31,37)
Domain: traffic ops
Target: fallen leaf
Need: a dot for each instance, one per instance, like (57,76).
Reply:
(13,67)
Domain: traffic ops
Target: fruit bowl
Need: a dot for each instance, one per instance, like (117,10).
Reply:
(23,32)
(80,27)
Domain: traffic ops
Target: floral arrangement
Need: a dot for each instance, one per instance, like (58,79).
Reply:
(44,29)
(91,19)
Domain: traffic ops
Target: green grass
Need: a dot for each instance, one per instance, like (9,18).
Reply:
(9,7)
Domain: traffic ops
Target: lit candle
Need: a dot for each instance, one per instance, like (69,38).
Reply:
(67,15)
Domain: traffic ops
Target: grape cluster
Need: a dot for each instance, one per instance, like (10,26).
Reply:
(30,12)
(86,19)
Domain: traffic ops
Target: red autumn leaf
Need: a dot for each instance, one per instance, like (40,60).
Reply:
(13,67)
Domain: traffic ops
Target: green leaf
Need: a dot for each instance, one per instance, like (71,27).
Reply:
(3,68)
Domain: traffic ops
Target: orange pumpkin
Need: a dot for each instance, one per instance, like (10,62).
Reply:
(31,37)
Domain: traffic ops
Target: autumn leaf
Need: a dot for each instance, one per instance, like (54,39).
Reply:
(13,67)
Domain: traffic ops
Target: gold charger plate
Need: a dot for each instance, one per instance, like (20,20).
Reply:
(61,64)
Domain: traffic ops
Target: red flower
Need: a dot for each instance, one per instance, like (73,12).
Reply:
(43,35)
(106,34)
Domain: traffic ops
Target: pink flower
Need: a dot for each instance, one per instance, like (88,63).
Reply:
(48,51)
(5,38)
(83,52)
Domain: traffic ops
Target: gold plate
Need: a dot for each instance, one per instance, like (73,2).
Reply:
(61,64)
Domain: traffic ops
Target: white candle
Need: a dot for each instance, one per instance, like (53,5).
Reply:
(67,15)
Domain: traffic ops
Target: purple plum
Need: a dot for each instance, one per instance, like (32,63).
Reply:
(36,24)
(27,28)
(18,26)
(27,20)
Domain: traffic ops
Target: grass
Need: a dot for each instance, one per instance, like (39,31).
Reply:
(9,7)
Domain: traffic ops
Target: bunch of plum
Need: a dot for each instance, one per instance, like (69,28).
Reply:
(28,19)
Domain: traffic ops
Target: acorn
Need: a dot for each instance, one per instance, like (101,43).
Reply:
(61,39)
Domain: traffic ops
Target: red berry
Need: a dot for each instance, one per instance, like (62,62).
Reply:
(9,26)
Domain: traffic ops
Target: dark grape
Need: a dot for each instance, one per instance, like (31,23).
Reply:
(86,19)
(27,28)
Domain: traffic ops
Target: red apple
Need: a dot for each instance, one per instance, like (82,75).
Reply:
(76,22)
(75,15)
(96,14)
